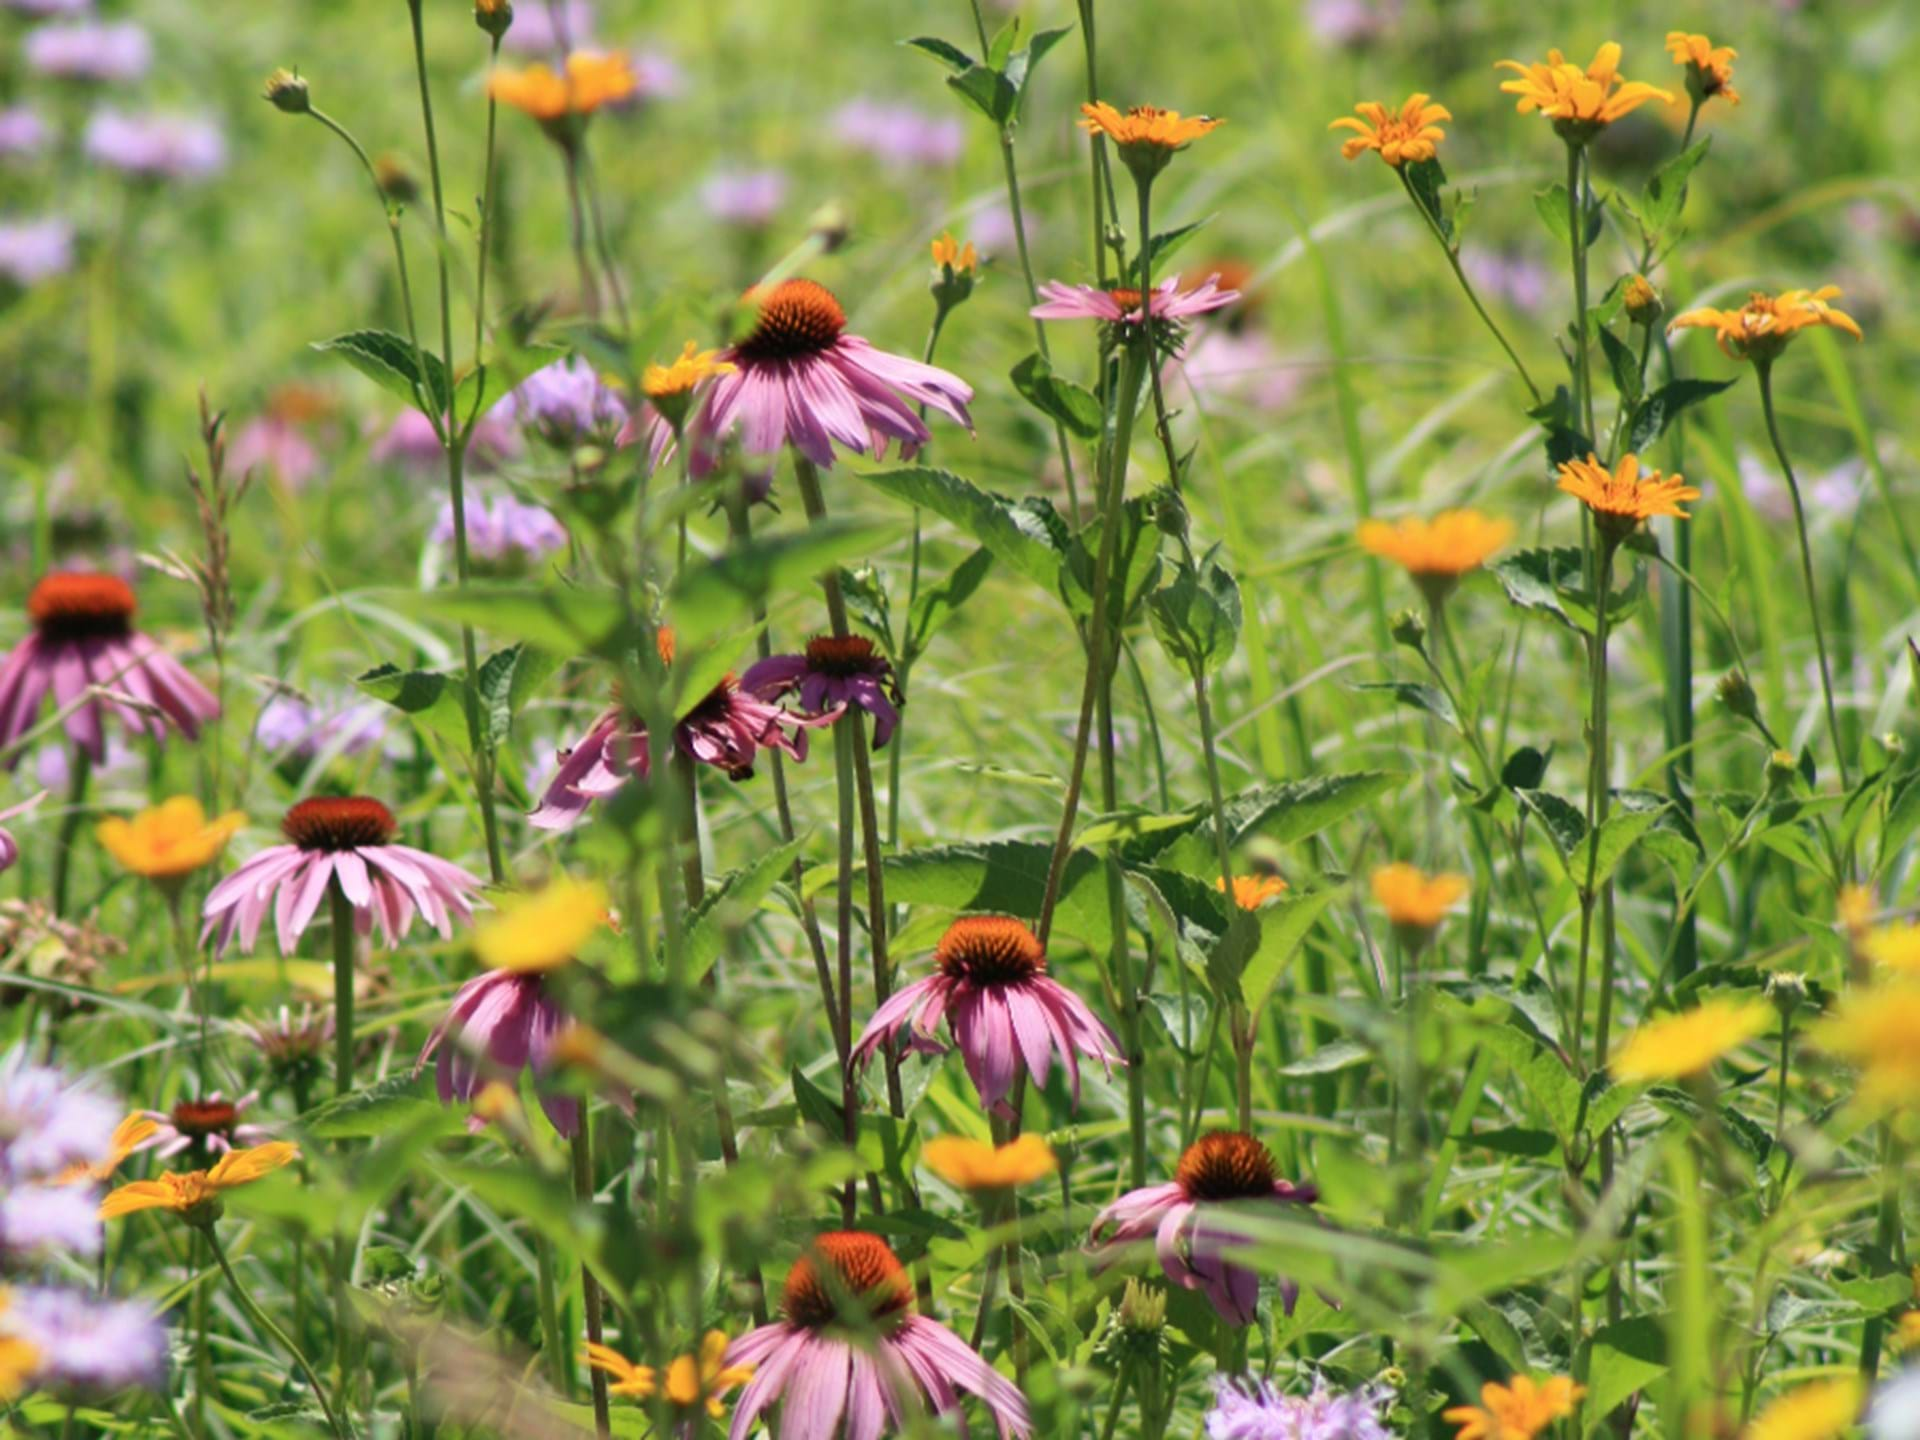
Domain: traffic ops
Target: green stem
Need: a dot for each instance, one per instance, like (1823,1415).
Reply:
(280,1337)
(1764,369)
(1242,1036)
(590,1298)
(553,1335)
(341,912)
(1577,225)
(79,770)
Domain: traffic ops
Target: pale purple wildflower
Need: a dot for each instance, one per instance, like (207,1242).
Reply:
(36,1220)
(410,442)
(291,727)
(35,250)
(48,1123)
(656,76)
(95,1347)
(90,50)
(43,8)
(1352,23)
(534,31)
(566,404)
(278,445)
(750,199)
(156,146)
(22,132)
(1245,1410)
(504,531)
(900,136)
(1521,281)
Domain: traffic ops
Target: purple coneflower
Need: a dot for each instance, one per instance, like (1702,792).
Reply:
(819,1365)
(10,847)
(833,673)
(90,50)
(156,146)
(747,198)
(22,132)
(1191,1220)
(727,729)
(566,404)
(509,1021)
(800,379)
(347,840)
(209,1127)
(278,444)
(1001,1007)
(32,251)
(1120,306)
(83,636)
(94,1347)
(1244,1410)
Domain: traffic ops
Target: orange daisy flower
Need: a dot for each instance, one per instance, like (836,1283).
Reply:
(1250,892)
(591,79)
(1709,66)
(1518,1410)
(1146,136)
(1760,329)
(191,1195)
(1579,102)
(1411,133)
(1414,900)
(1620,499)
(1437,552)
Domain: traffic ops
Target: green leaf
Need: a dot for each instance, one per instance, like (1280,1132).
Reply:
(1622,1359)
(388,361)
(1197,616)
(1004,877)
(718,597)
(1524,770)
(1429,698)
(1001,45)
(1566,824)
(1298,808)
(1020,64)
(1330,1060)
(1166,242)
(426,697)
(816,1106)
(1618,835)
(1426,179)
(731,904)
(937,603)
(1136,564)
(1623,364)
(508,679)
(988,91)
(563,619)
(397,1103)
(1552,581)
(1073,406)
(1015,535)
(952,56)
(1283,926)
(1655,413)
(1227,957)
(1551,205)
(1666,191)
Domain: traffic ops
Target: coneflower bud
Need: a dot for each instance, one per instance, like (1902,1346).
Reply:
(285,90)
(493,16)
(1136,1334)
(1642,301)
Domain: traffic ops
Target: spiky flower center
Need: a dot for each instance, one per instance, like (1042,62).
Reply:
(844,655)
(81,606)
(345,822)
(1226,1165)
(989,950)
(797,317)
(861,1272)
(198,1119)
(1127,299)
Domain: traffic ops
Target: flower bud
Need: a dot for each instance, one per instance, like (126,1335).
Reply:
(493,16)
(830,226)
(1169,511)
(1736,693)
(1642,301)
(396,180)
(1787,989)
(954,268)
(1409,628)
(1782,771)
(285,90)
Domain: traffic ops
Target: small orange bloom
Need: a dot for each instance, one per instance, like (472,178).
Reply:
(1415,900)
(976,1165)
(1411,133)
(1437,552)
(952,255)
(170,841)
(1761,328)
(591,79)
(1518,1410)
(189,1194)
(1146,136)
(1621,499)
(1709,67)
(1579,102)
(1250,892)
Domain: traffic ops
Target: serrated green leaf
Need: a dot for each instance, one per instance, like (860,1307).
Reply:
(1015,535)
(1073,406)
(731,904)
(389,361)
(952,56)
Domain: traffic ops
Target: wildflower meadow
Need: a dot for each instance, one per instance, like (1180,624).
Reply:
(1059,718)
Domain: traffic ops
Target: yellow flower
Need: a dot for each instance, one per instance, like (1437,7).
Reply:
(976,1165)
(1709,68)
(1874,1029)
(170,841)
(542,931)
(685,374)
(1676,1046)
(1897,947)
(1621,499)
(1146,136)
(1518,1410)
(1414,899)
(1640,300)
(1760,329)
(635,1382)
(1579,102)
(1437,552)
(692,1381)
(1907,1335)
(591,79)
(192,1192)
(1819,1411)
(18,1361)
(1250,892)
(1412,133)
(950,253)
(128,1135)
